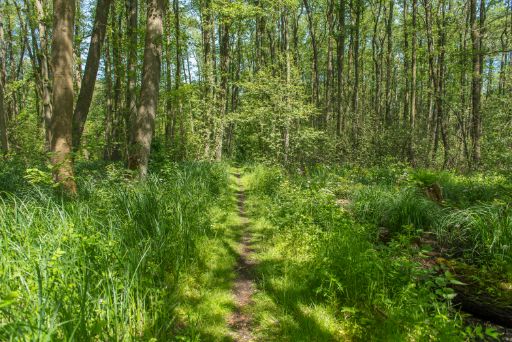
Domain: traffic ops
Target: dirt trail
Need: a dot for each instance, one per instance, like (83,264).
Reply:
(244,286)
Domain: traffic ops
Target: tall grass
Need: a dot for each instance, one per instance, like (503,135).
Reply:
(377,292)
(106,266)
(394,208)
(479,233)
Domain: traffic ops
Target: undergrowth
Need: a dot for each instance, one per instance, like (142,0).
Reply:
(106,266)
(321,230)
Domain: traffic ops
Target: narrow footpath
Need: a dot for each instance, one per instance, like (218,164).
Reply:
(244,285)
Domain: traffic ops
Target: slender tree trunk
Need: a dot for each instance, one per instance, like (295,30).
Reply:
(107,154)
(432,120)
(91,70)
(355,91)
(118,69)
(441,119)
(208,72)
(169,108)
(312,33)
(389,62)
(4,141)
(177,77)
(131,68)
(224,73)
(405,99)
(476,85)
(340,60)
(62,61)
(462,113)
(77,69)
(45,73)
(145,122)
(413,107)
(330,67)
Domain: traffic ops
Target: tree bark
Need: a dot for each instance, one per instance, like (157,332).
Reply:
(91,70)
(107,153)
(118,69)
(441,119)
(61,125)
(145,121)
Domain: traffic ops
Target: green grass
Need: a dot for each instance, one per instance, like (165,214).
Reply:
(322,277)
(108,265)
(156,260)
(206,300)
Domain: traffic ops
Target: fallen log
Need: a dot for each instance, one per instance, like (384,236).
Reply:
(483,306)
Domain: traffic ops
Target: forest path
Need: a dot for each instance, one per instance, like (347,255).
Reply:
(244,285)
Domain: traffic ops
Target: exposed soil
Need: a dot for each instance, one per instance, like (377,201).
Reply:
(244,286)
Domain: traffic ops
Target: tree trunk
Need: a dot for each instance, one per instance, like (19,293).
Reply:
(412,116)
(405,99)
(77,69)
(432,121)
(91,70)
(224,73)
(179,69)
(4,141)
(145,121)
(312,33)
(207,27)
(376,54)
(107,154)
(61,125)
(169,108)
(476,85)
(329,72)
(118,68)
(355,91)
(441,120)
(131,68)
(389,62)
(340,57)
(45,73)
